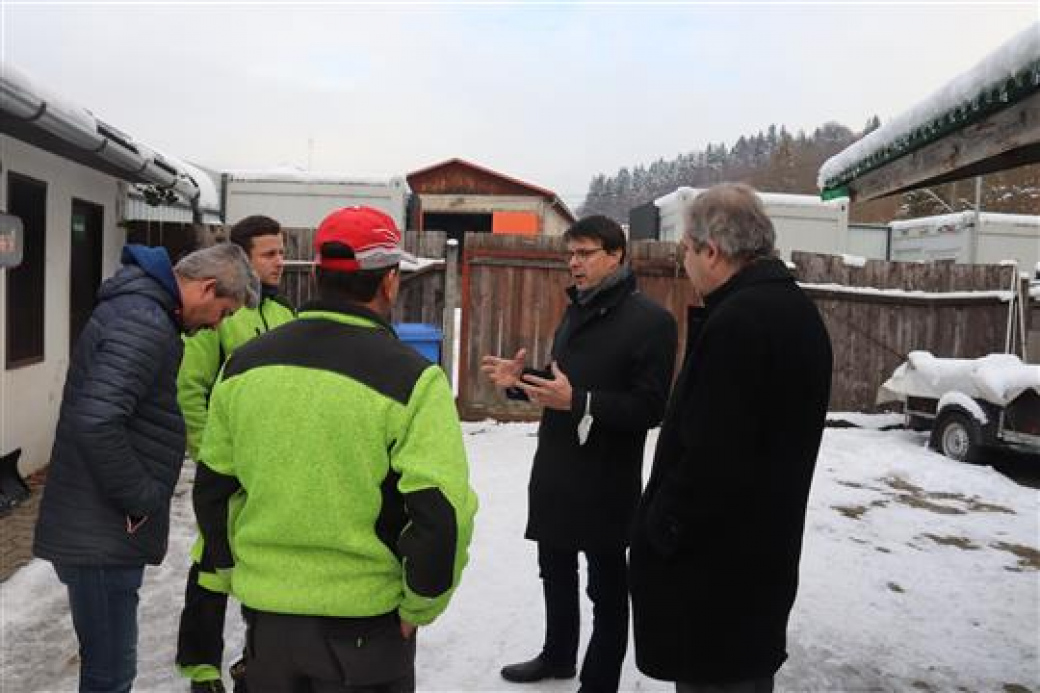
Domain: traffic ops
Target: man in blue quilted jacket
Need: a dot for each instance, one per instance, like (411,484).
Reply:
(120,442)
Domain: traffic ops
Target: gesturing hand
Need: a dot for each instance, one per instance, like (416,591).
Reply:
(554,393)
(504,372)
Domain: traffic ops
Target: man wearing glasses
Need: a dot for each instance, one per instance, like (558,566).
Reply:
(612,361)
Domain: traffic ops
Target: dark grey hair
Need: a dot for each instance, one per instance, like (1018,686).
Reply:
(229,265)
(731,215)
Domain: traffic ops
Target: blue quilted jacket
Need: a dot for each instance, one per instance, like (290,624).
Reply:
(120,438)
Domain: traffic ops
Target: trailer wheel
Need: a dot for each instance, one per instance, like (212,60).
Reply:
(957,436)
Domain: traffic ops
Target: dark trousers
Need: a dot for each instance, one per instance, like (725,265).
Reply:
(608,590)
(318,654)
(103,601)
(200,638)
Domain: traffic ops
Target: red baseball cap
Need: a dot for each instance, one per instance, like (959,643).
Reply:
(368,239)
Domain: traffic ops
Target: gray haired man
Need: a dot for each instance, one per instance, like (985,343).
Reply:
(120,443)
(718,533)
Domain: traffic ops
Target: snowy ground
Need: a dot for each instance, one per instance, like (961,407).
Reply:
(918,574)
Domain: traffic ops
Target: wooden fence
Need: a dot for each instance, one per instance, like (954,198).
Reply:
(512,296)
(876,314)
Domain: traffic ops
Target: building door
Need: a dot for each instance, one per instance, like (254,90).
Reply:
(457,225)
(85,277)
(27,199)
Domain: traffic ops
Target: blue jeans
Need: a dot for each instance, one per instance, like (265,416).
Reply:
(103,601)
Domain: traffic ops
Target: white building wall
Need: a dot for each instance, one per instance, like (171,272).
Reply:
(953,237)
(1010,237)
(555,222)
(802,222)
(816,228)
(303,204)
(30,395)
(869,241)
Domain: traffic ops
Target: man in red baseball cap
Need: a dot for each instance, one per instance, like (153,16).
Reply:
(356,514)
(356,239)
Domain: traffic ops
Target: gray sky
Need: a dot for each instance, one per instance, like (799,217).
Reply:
(553,93)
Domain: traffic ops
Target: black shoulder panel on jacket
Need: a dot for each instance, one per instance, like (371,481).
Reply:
(369,355)
(285,302)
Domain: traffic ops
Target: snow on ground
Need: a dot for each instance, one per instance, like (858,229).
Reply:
(919,573)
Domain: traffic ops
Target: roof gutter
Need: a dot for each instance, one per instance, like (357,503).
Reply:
(78,127)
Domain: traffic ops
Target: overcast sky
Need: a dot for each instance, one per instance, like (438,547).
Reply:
(552,93)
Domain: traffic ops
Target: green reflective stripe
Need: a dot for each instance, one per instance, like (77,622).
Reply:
(199,673)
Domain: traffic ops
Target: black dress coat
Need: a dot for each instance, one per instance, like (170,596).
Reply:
(718,536)
(620,346)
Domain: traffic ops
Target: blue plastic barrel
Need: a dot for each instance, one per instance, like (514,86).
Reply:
(426,339)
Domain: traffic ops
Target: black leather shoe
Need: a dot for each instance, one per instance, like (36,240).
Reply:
(536,670)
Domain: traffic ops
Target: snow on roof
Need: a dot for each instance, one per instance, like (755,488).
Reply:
(295,174)
(209,197)
(998,294)
(997,378)
(24,98)
(963,96)
(967,217)
(686,195)
(21,81)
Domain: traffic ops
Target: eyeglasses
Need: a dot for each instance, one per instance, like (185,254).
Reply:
(582,254)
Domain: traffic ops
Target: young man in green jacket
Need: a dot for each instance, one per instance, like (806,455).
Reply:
(200,640)
(345,449)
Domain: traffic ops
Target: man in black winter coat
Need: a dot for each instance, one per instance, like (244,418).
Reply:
(120,443)
(612,361)
(714,560)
